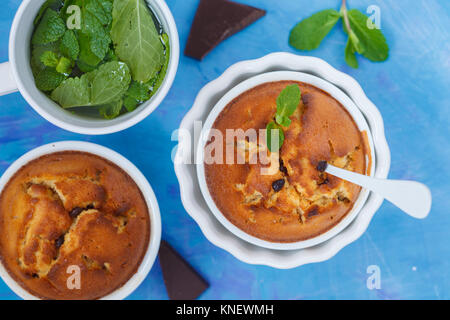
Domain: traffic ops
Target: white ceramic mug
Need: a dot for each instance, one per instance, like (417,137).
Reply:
(138,178)
(16,75)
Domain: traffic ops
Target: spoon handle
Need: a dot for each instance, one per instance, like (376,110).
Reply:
(412,197)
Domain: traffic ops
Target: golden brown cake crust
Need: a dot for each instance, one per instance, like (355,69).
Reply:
(72,208)
(309,202)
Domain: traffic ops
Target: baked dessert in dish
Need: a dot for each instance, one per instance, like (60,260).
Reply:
(296,201)
(72,210)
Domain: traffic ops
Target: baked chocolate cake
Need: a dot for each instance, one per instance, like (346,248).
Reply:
(72,209)
(296,201)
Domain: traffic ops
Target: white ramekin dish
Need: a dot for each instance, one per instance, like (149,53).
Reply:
(248,84)
(138,178)
(190,190)
(17,75)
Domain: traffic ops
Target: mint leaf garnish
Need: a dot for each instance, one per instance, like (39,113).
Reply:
(287,102)
(50,28)
(309,33)
(272,131)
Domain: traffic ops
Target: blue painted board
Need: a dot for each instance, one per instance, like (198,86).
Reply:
(411,90)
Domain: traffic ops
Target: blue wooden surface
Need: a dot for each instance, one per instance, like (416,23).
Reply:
(411,90)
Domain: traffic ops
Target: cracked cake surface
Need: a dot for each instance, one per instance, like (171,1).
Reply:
(72,209)
(295,201)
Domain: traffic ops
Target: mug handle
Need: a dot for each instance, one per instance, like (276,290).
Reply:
(7,83)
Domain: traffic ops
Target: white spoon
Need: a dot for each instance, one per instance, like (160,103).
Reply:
(412,197)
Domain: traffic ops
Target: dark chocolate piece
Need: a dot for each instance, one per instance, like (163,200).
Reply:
(322,166)
(181,280)
(313,212)
(277,185)
(215,21)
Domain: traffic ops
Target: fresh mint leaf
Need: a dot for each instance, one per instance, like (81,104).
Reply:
(37,52)
(373,42)
(350,57)
(111,56)
(162,74)
(309,33)
(356,43)
(98,37)
(138,91)
(109,82)
(130,103)
(64,66)
(96,8)
(50,28)
(73,92)
(49,59)
(136,39)
(107,6)
(84,67)
(48,79)
(87,57)
(53,4)
(69,45)
(99,87)
(287,102)
(273,130)
(111,110)
(283,121)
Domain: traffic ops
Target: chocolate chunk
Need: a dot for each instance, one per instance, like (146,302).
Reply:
(75,212)
(323,179)
(181,280)
(216,20)
(277,185)
(322,166)
(282,167)
(313,212)
(59,242)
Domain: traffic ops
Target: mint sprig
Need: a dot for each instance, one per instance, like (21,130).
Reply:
(287,102)
(370,43)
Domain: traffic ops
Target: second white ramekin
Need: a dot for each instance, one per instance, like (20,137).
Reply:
(138,178)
